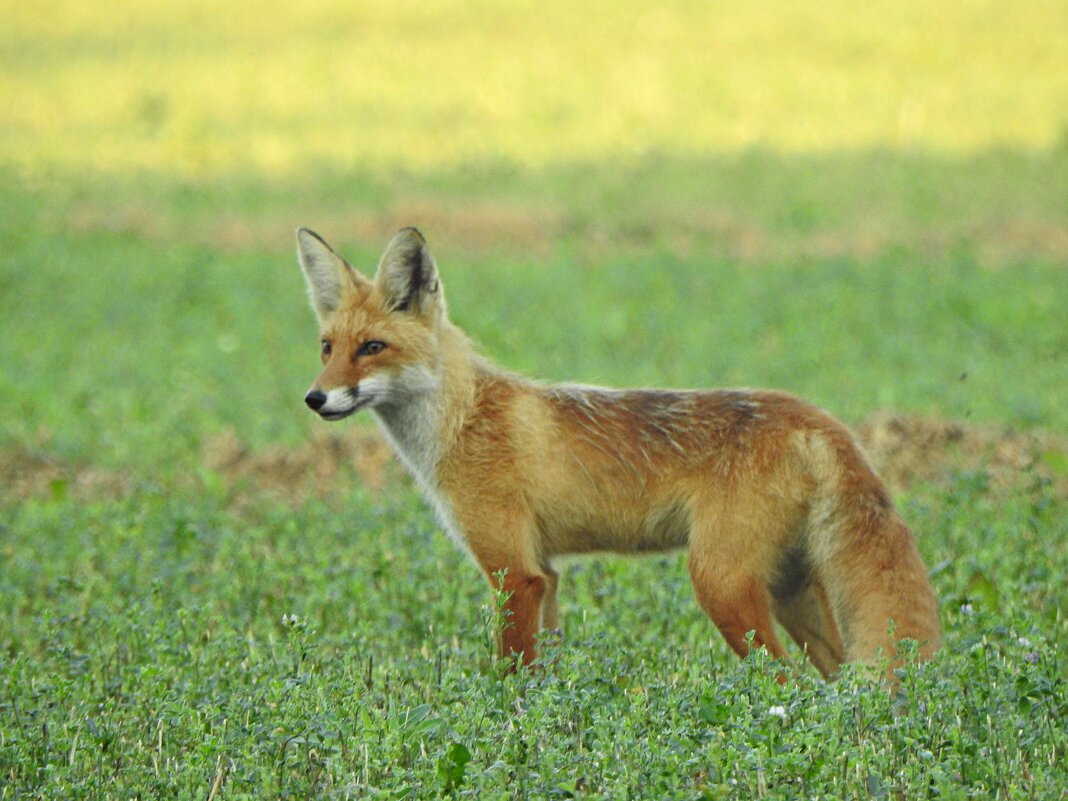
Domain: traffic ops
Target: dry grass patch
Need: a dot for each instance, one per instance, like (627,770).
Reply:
(905,450)
(26,474)
(481,227)
(317,468)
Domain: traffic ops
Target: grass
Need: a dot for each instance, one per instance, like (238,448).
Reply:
(862,205)
(164,643)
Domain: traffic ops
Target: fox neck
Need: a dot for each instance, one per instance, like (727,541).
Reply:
(424,422)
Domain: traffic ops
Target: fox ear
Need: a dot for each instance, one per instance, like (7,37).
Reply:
(328,275)
(407,276)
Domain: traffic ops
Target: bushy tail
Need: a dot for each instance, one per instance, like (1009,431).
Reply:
(866,558)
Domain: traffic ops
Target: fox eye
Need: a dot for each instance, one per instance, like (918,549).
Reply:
(371,348)
(326,348)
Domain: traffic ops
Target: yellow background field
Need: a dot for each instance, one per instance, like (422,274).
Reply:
(202,88)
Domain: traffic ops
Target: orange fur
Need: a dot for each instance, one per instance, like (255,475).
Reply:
(782,515)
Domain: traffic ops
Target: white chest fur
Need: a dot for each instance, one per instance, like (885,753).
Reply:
(413,428)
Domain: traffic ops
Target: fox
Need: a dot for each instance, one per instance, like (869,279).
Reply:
(783,518)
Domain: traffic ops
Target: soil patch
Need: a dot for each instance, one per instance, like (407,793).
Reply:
(910,450)
(315,469)
(28,474)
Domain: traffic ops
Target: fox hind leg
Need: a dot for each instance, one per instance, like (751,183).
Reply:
(730,581)
(806,615)
(738,610)
(550,616)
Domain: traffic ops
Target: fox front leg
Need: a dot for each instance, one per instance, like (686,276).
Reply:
(526,594)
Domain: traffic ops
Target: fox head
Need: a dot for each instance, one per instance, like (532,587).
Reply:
(378,338)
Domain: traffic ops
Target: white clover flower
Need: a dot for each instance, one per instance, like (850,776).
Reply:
(777,711)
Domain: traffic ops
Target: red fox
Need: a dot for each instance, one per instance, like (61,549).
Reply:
(782,515)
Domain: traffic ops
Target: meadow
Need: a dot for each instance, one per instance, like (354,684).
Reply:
(206,593)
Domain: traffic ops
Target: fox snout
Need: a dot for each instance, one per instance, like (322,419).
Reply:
(336,404)
(315,400)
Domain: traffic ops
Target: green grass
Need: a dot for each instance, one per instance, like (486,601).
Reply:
(165,317)
(860,205)
(151,648)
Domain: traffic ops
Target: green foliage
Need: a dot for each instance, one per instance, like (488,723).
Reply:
(155,646)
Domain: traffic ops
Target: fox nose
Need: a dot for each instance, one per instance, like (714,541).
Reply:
(315,400)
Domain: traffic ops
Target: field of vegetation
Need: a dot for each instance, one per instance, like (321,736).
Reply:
(207,593)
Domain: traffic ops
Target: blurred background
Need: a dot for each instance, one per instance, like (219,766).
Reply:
(863,203)
(201,89)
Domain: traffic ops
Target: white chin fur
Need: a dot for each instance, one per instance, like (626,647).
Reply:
(343,401)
